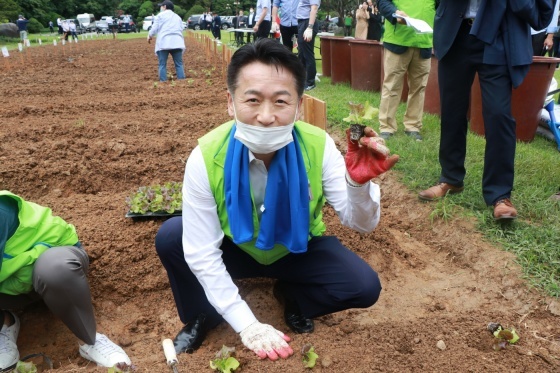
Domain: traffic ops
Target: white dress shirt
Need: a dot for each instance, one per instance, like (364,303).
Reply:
(357,208)
(168,27)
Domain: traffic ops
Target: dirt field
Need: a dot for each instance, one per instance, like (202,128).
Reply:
(82,128)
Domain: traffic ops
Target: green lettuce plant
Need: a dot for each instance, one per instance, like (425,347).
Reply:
(166,197)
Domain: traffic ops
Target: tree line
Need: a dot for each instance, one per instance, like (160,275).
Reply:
(40,12)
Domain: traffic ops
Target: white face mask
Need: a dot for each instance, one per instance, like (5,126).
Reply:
(261,140)
(161,9)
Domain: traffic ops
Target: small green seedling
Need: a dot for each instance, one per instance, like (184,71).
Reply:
(309,356)
(25,367)
(361,113)
(503,335)
(224,361)
(190,81)
(166,197)
(155,85)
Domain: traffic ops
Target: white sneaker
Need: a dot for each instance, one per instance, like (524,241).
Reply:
(9,354)
(104,352)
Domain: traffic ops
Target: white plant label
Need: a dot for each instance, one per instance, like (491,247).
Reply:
(5,52)
(27,43)
(20,46)
(40,42)
(63,42)
(54,42)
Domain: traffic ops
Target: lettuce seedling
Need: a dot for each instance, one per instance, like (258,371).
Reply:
(361,113)
(503,335)
(309,356)
(25,367)
(224,361)
(156,198)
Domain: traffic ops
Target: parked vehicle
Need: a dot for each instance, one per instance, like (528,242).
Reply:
(125,19)
(147,23)
(101,27)
(193,22)
(86,22)
(227,22)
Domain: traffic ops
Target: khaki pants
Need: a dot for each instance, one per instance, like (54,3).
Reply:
(395,66)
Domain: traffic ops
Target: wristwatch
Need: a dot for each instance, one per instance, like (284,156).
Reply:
(310,25)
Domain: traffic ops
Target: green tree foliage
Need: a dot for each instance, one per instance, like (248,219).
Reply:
(130,7)
(180,11)
(9,11)
(146,9)
(34,26)
(195,9)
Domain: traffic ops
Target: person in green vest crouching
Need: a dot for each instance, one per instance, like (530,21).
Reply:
(42,259)
(253,196)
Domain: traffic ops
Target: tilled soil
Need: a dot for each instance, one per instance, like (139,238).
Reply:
(84,125)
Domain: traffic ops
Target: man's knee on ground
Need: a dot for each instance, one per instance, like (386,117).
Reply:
(169,236)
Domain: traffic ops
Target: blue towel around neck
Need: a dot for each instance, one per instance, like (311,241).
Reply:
(285,219)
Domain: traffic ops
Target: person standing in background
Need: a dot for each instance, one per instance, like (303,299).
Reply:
(168,27)
(262,20)
(22,27)
(59,24)
(251,24)
(72,29)
(307,30)
(288,20)
(543,40)
(478,44)
(239,22)
(348,25)
(406,52)
(216,26)
(51,26)
(375,22)
(362,19)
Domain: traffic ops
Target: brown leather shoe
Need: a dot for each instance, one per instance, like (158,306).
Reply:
(504,210)
(438,191)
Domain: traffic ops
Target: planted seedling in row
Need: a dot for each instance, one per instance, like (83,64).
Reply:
(309,356)
(224,361)
(503,335)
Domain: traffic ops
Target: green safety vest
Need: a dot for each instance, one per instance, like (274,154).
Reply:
(312,143)
(404,35)
(38,230)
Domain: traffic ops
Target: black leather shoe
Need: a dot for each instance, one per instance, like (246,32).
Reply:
(292,314)
(192,335)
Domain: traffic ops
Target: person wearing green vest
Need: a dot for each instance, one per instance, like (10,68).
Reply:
(348,25)
(253,194)
(406,52)
(42,259)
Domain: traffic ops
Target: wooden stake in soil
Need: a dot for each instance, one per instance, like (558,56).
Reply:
(6,55)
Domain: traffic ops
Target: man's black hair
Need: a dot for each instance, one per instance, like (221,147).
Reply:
(269,52)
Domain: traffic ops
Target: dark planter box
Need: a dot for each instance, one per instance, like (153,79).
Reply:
(326,55)
(526,101)
(366,62)
(340,60)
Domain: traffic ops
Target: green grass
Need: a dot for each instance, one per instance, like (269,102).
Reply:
(534,237)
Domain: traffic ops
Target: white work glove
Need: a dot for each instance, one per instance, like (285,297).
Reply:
(274,27)
(308,34)
(266,341)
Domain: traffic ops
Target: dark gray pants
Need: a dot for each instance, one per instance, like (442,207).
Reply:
(59,279)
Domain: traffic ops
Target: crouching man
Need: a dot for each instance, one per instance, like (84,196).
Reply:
(253,194)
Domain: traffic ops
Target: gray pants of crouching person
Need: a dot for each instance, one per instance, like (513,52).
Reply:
(60,280)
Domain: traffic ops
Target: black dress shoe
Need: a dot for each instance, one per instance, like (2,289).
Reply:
(192,335)
(292,314)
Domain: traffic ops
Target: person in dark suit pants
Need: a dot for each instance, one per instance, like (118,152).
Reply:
(493,39)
